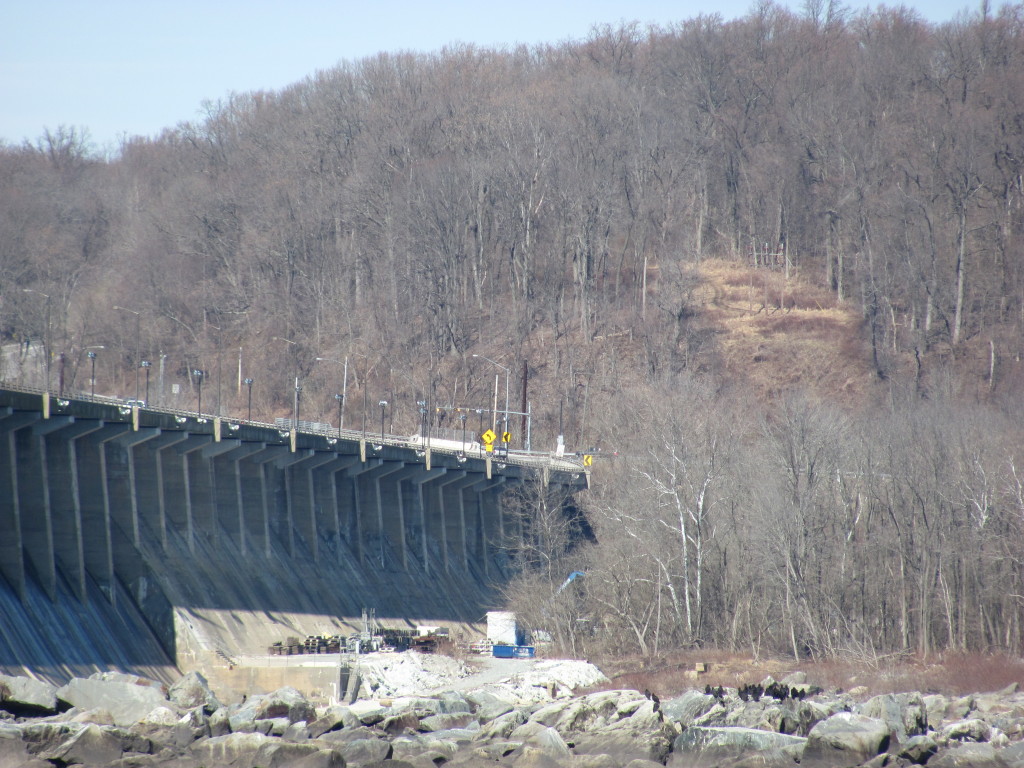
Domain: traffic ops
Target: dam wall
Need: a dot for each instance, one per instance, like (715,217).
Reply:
(159,542)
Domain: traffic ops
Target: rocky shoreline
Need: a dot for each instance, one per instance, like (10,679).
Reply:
(114,719)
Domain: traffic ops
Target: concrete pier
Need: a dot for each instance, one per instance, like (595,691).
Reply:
(141,525)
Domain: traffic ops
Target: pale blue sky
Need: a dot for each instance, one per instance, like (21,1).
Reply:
(133,67)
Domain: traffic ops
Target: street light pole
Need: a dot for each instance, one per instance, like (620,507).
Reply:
(507,373)
(248,383)
(92,378)
(199,383)
(383,406)
(146,364)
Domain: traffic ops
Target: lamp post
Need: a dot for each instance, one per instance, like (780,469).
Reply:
(199,383)
(383,406)
(507,372)
(46,332)
(136,361)
(422,405)
(298,388)
(344,389)
(462,418)
(92,377)
(248,383)
(146,364)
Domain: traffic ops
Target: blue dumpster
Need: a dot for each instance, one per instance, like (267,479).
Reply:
(503,651)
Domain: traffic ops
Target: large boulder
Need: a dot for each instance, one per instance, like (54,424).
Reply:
(845,739)
(905,714)
(92,745)
(191,691)
(685,709)
(355,751)
(503,725)
(27,697)
(444,722)
(640,734)
(235,749)
(285,702)
(282,754)
(541,737)
(127,702)
(971,729)
(967,756)
(333,719)
(700,747)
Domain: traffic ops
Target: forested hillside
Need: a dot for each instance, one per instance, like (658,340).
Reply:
(774,264)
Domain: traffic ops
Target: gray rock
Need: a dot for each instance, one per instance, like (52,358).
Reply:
(936,705)
(443,722)
(404,722)
(698,747)
(126,702)
(369,713)
(191,691)
(541,737)
(967,756)
(92,745)
(918,749)
(27,697)
(491,710)
(359,751)
(501,727)
(1013,755)
(407,747)
(972,729)
(642,735)
(687,708)
(845,739)
(296,732)
(453,703)
(285,702)
(235,749)
(421,705)
(282,754)
(333,719)
(794,680)
(219,723)
(905,714)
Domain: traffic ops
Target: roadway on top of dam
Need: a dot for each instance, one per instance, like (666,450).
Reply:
(568,469)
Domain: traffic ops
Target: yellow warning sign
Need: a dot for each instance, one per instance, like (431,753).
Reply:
(506,437)
(588,460)
(488,437)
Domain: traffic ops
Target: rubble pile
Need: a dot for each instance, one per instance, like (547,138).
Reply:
(122,720)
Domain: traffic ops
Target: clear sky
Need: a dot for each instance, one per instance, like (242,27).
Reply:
(120,68)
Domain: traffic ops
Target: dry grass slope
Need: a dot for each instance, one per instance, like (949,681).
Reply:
(777,333)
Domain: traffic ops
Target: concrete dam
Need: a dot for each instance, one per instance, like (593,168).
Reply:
(157,541)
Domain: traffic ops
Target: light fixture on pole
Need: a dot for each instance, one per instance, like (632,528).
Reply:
(92,377)
(199,384)
(507,373)
(146,364)
(248,383)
